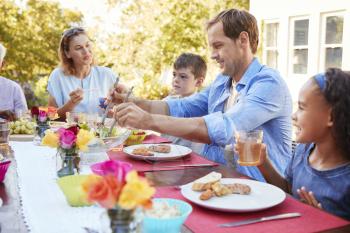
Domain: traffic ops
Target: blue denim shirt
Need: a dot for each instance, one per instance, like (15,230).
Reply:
(331,187)
(263,102)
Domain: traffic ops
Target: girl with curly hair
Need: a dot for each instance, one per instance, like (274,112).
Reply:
(319,172)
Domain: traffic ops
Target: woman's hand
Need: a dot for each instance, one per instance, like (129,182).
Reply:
(76,96)
(117,95)
(308,197)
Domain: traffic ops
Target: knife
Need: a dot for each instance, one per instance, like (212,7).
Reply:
(262,219)
(190,165)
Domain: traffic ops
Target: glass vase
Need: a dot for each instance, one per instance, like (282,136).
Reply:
(40,132)
(67,163)
(124,221)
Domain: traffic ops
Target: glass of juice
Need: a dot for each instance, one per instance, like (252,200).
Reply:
(249,146)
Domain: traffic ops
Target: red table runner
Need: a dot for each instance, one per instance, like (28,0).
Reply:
(152,138)
(205,220)
(143,166)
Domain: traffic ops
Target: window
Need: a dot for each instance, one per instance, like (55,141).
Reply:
(300,43)
(332,41)
(270,53)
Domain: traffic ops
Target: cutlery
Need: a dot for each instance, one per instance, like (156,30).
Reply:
(190,165)
(90,230)
(115,120)
(109,104)
(262,219)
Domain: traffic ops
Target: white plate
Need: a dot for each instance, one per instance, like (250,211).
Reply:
(176,151)
(0,202)
(21,137)
(262,196)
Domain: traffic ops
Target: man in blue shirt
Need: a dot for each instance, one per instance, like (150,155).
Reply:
(245,96)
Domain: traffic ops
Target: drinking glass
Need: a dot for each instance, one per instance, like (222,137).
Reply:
(249,146)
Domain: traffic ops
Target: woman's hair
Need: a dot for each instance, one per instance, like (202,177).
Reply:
(66,63)
(336,91)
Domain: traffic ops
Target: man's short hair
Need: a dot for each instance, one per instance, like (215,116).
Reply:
(2,52)
(193,61)
(236,21)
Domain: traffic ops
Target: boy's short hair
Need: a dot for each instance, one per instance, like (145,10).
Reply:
(195,62)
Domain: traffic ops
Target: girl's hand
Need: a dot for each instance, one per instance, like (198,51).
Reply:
(263,152)
(308,197)
(76,96)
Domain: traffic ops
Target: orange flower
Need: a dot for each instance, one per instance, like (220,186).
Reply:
(103,190)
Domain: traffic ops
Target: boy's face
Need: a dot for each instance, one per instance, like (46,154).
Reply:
(313,117)
(184,82)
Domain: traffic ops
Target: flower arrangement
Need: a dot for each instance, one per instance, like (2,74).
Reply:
(68,141)
(118,187)
(44,114)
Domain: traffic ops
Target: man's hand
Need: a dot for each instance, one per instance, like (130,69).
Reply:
(76,96)
(130,115)
(8,115)
(117,95)
(308,197)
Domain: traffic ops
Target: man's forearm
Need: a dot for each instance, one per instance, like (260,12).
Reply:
(152,106)
(193,129)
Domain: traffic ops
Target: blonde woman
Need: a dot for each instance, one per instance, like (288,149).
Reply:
(77,83)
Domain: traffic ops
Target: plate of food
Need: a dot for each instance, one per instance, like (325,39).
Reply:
(157,152)
(231,194)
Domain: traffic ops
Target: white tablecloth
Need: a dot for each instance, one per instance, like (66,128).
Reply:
(44,206)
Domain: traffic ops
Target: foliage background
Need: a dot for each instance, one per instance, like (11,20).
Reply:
(152,33)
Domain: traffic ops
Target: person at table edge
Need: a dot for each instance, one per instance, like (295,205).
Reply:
(77,84)
(246,96)
(12,99)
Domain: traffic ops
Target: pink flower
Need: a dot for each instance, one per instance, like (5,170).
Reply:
(67,138)
(42,116)
(116,168)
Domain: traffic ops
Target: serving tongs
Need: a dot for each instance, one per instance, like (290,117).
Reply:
(115,120)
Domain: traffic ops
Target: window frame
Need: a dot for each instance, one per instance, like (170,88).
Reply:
(271,48)
(293,47)
(323,45)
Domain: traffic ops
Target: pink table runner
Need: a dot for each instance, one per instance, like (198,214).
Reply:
(143,166)
(152,138)
(205,220)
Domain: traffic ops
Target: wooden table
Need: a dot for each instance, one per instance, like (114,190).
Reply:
(11,220)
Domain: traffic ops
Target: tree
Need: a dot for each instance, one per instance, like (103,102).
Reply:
(31,35)
(154,32)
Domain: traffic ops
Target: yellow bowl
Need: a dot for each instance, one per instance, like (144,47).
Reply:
(71,188)
(134,138)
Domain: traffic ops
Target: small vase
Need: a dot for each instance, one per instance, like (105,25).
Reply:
(40,132)
(123,221)
(67,163)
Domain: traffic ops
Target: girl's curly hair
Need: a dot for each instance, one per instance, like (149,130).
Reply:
(337,94)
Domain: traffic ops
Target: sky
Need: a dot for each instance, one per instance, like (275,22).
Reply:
(96,13)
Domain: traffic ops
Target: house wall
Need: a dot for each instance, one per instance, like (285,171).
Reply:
(282,11)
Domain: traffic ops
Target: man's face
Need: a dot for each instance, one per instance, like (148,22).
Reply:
(184,83)
(226,52)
